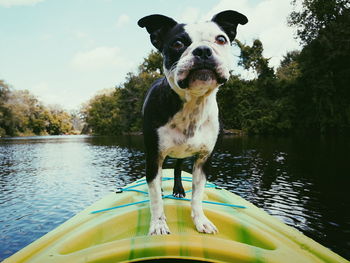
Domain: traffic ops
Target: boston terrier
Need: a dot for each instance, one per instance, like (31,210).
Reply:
(180,112)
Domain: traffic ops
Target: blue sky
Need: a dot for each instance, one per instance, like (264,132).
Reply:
(65,51)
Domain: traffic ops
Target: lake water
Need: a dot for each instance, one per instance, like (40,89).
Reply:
(46,180)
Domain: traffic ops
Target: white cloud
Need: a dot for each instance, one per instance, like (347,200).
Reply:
(47,94)
(92,70)
(267,22)
(189,15)
(241,6)
(122,20)
(9,3)
(98,58)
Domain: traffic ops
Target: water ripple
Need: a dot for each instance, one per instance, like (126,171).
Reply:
(46,180)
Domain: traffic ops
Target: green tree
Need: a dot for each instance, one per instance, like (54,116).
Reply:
(25,109)
(289,69)
(260,105)
(6,120)
(252,57)
(102,114)
(132,94)
(152,64)
(21,113)
(120,111)
(56,120)
(322,91)
(229,97)
(314,16)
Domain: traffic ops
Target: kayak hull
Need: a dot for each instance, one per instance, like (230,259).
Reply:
(121,235)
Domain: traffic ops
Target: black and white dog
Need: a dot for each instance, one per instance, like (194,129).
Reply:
(180,110)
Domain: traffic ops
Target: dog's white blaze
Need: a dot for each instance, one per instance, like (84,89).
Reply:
(203,33)
(199,114)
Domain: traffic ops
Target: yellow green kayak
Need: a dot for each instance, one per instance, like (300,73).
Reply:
(115,229)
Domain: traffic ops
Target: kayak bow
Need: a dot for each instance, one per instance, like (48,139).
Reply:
(114,229)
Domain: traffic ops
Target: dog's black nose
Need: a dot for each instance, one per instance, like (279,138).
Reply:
(203,52)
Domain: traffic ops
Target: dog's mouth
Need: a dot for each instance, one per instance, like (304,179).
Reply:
(201,74)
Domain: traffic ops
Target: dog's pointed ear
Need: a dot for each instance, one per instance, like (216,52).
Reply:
(228,21)
(157,26)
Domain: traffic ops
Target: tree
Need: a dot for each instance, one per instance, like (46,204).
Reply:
(314,16)
(258,106)
(289,69)
(6,123)
(132,95)
(21,113)
(57,121)
(252,57)
(102,114)
(322,91)
(25,109)
(153,63)
(120,111)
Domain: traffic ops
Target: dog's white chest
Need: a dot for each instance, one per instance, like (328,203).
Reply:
(193,130)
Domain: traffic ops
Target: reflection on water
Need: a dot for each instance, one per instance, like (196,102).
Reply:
(46,180)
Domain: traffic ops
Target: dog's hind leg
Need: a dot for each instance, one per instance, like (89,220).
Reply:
(178,190)
(202,223)
(158,225)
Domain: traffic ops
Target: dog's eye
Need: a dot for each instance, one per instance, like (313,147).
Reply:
(221,40)
(178,44)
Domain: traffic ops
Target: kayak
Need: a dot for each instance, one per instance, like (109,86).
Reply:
(115,229)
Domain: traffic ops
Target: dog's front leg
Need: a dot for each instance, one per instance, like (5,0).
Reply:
(158,224)
(202,223)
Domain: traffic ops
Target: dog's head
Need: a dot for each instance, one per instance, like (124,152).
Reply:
(197,57)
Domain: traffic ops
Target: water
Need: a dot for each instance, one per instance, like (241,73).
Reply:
(46,180)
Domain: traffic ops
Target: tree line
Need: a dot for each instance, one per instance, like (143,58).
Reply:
(22,114)
(308,93)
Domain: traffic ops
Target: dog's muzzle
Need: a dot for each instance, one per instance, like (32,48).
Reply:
(204,67)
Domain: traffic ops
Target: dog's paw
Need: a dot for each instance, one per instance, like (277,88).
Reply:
(204,225)
(179,192)
(179,195)
(159,227)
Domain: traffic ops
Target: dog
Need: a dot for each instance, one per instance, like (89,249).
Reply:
(180,112)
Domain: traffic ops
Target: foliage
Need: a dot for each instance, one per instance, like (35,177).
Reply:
(153,63)
(103,114)
(315,16)
(252,57)
(323,94)
(22,114)
(120,111)
(308,92)
(5,112)
(289,67)
(258,106)
(132,95)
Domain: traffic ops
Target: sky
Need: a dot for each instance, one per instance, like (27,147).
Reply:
(66,51)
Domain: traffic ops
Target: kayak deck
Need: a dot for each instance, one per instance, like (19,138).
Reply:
(121,234)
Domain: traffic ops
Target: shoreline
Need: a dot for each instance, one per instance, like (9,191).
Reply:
(226,132)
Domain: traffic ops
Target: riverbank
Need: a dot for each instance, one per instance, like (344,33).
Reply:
(230,132)
(31,134)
